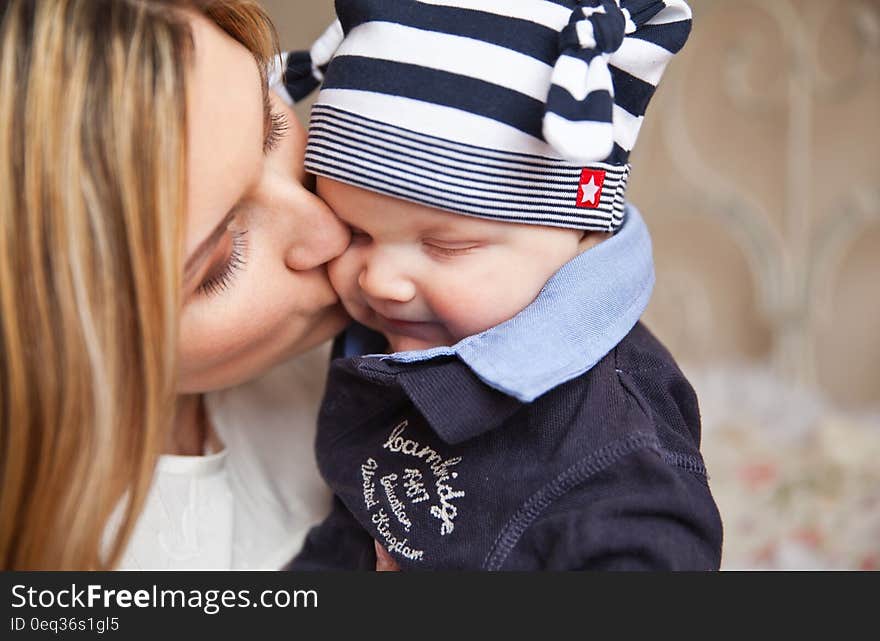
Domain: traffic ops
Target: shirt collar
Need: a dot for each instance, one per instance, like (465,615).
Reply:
(580,315)
(447,393)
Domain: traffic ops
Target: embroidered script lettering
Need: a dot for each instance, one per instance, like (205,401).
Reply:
(392,543)
(446,511)
(415,489)
(368,471)
(397,506)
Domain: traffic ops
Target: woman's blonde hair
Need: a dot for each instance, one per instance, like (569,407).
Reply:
(92,192)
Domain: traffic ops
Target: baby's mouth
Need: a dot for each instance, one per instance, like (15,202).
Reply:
(425,330)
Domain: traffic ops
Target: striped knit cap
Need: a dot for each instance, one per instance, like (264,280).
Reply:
(514,110)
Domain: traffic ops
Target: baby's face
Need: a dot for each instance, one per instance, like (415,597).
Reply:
(424,277)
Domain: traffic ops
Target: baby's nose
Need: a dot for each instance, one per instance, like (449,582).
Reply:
(383,280)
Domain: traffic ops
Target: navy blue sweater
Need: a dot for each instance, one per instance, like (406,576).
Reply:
(602,472)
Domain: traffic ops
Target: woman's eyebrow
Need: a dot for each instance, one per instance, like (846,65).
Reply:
(203,250)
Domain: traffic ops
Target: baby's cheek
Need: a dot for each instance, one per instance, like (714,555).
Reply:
(484,299)
(343,274)
(474,309)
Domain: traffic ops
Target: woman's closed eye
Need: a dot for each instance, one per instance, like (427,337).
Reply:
(221,277)
(232,254)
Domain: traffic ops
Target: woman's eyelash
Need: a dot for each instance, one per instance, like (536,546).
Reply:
(278,127)
(222,279)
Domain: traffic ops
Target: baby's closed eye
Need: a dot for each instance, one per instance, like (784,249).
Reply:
(449,248)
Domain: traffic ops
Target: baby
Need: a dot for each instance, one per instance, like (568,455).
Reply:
(497,404)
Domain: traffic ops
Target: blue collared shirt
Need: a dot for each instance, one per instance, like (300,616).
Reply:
(581,313)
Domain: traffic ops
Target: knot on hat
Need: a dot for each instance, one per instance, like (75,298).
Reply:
(304,70)
(579,120)
(598,25)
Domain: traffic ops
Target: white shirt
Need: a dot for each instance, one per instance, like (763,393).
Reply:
(250,505)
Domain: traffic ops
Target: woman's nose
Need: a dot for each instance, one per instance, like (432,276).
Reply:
(381,278)
(318,238)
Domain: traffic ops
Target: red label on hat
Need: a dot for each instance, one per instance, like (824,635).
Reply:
(590,188)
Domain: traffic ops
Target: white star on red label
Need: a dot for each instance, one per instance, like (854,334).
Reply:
(590,188)
(588,191)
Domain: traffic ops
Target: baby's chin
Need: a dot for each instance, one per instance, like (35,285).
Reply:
(411,341)
(415,340)
(410,344)
(403,337)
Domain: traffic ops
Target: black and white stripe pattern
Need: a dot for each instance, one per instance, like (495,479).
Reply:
(457,177)
(484,107)
(614,53)
(304,70)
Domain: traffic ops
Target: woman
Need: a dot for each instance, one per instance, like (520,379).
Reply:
(156,243)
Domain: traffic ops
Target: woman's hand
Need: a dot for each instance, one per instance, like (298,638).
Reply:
(384,562)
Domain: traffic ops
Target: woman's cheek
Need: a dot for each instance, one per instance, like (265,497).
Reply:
(236,319)
(217,329)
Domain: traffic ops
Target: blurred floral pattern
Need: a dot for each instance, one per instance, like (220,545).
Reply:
(797,482)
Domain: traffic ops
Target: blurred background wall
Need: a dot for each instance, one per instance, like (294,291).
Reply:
(758,171)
